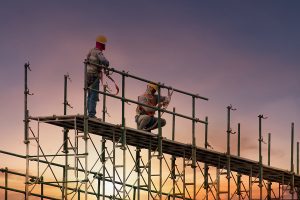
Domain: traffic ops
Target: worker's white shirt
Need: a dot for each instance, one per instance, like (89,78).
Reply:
(96,56)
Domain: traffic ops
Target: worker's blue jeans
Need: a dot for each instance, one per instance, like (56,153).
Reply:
(93,95)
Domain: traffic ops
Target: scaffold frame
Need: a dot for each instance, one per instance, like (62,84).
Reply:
(187,174)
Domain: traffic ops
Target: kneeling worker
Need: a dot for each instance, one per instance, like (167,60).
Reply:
(145,115)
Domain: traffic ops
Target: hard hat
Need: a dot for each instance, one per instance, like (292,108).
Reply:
(101,39)
(154,86)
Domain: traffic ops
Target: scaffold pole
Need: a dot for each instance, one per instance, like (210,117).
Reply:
(160,153)
(65,142)
(239,154)
(260,117)
(85,133)
(26,130)
(206,185)
(298,158)
(173,158)
(229,132)
(292,161)
(269,189)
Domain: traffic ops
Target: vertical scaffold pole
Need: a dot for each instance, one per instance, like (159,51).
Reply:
(260,117)
(239,140)
(292,147)
(173,159)
(104,103)
(160,154)
(269,163)
(292,160)
(218,178)
(38,151)
(103,160)
(250,183)
(228,151)
(194,147)
(138,170)
(123,111)
(6,183)
(42,188)
(298,158)
(269,149)
(228,130)
(282,187)
(85,130)
(98,186)
(279,193)
(206,186)
(123,135)
(183,175)
(149,170)
(239,154)
(26,130)
(65,142)
(114,166)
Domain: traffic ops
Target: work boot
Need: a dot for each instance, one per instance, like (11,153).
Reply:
(95,118)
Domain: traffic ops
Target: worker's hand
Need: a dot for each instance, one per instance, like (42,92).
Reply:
(168,99)
(165,103)
(160,104)
(106,72)
(105,63)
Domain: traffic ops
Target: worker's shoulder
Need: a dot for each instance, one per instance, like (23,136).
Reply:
(142,97)
(96,51)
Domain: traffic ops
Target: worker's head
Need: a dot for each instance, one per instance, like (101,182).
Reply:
(152,87)
(101,42)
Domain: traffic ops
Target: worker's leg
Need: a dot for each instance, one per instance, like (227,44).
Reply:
(163,122)
(143,121)
(93,96)
(155,124)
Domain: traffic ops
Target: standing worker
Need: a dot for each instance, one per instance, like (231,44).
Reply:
(145,115)
(94,73)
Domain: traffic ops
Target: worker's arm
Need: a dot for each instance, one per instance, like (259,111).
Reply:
(102,60)
(163,101)
(144,100)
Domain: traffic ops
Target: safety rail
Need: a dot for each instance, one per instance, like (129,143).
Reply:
(145,80)
(160,86)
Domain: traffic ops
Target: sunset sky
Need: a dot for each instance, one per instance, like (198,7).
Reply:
(242,53)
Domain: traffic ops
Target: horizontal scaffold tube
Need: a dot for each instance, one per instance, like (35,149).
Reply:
(145,80)
(156,108)
(23,192)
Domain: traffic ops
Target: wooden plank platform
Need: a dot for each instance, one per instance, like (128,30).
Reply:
(148,140)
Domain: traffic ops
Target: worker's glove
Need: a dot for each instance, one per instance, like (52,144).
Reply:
(165,102)
(105,63)
(106,72)
(160,104)
(168,99)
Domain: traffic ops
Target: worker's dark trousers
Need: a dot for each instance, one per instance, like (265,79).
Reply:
(93,95)
(148,122)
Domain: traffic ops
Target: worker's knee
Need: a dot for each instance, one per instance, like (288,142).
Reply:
(163,122)
(143,121)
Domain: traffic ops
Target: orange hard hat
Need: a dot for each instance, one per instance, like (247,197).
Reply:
(101,39)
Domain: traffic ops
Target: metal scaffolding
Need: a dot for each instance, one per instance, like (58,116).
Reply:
(135,164)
